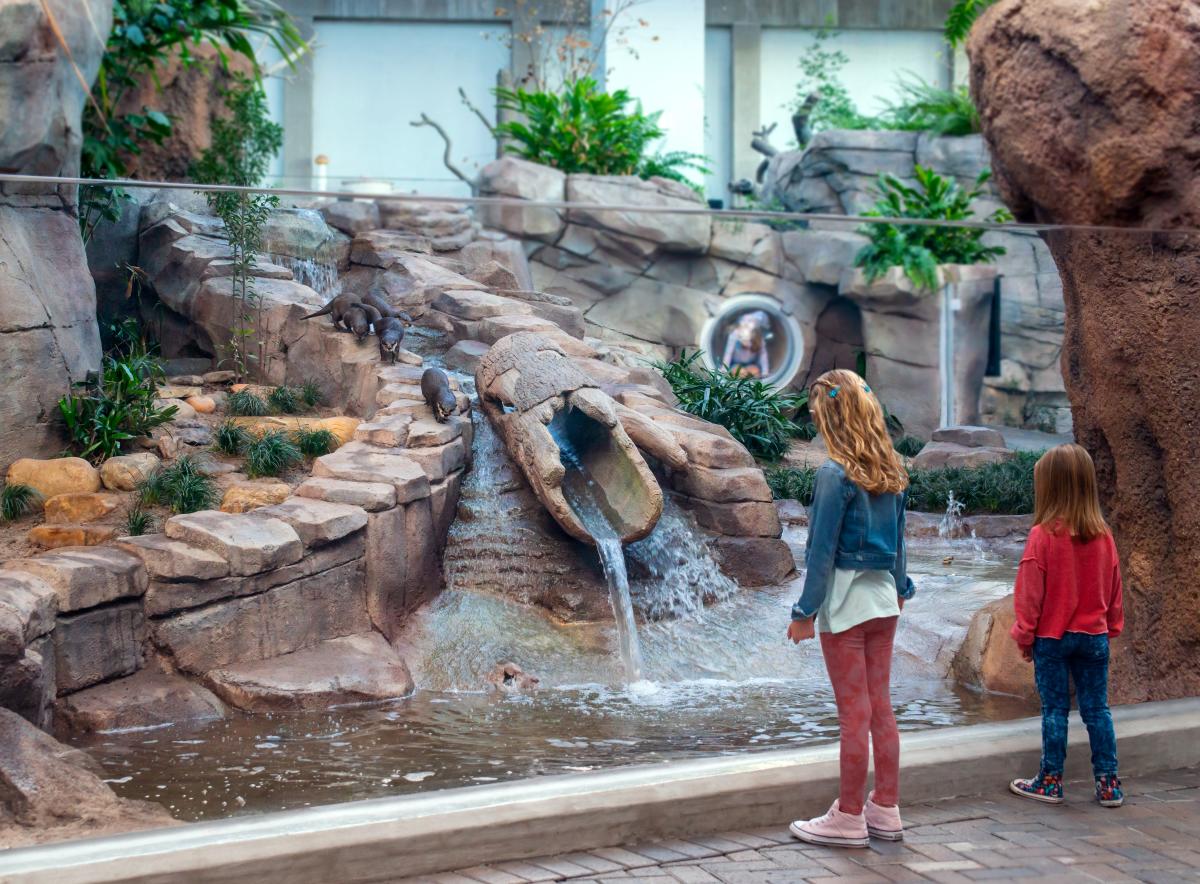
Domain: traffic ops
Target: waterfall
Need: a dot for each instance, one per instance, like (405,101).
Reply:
(319,275)
(586,499)
(684,577)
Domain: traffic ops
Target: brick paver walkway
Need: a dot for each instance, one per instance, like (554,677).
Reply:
(1155,837)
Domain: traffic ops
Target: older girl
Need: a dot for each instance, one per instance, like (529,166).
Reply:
(855,585)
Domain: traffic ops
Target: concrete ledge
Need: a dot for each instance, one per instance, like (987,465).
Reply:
(389,838)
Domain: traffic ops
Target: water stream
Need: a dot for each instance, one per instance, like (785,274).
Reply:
(319,275)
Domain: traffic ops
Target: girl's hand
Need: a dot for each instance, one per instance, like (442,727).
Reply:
(1026,653)
(900,599)
(799,630)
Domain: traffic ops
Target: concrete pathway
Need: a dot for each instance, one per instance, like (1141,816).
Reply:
(1155,838)
(1032,440)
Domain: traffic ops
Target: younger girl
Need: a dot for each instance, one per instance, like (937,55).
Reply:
(1068,605)
(855,585)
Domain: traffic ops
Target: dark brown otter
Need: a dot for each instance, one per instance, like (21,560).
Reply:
(358,318)
(435,387)
(336,308)
(390,331)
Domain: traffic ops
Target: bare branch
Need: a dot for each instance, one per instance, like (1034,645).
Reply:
(458,173)
(762,141)
(462,93)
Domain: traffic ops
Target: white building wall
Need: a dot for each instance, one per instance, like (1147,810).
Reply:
(372,79)
(876,59)
(718,112)
(663,65)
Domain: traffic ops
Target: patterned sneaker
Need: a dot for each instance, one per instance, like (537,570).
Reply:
(883,822)
(1044,787)
(1108,791)
(834,828)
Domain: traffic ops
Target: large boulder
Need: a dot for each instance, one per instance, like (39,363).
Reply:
(988,659)
(673,231)
(49,791)
(514,178)
(1126,75)
(48,332)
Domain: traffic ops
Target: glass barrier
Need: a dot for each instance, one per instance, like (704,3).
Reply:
(440,630)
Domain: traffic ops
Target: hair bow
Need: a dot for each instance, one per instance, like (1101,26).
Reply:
(833,392)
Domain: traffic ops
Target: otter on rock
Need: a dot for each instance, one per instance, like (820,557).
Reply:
(358,319)
(336,308)
(435,387)
(390,331)
(374,298)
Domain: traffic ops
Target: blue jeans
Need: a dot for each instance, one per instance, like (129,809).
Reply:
(1083,659)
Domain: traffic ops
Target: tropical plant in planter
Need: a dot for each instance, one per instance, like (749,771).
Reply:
(919,249)
(584,129)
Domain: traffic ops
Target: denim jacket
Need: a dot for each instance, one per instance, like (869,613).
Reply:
(849,528)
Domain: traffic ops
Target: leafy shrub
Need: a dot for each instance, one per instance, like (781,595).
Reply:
(793,484)
(992,488)
(585,129)
(231,438)
(923,107)
(311,395)
(820,74)
(114,406)
(181,487)
(920,249)
(143,40)
(960,18)
(909,446)
(243,403)
(138,521)
(285,399)
(314,442)
(271,454)
(17,500)
(755,415)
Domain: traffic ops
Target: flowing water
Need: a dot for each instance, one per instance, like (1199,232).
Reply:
(319,275)
(717,676)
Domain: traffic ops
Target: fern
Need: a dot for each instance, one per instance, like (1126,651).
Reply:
(961,17)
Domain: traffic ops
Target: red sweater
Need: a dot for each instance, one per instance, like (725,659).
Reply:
(1067,586)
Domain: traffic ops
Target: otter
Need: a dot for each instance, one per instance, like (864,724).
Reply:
(435,387)
(358,319)
(507,677)
(336,308)
(391,332)
(375,298)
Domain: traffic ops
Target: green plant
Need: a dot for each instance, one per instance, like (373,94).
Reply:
(16,500)
(820,74)
(240,153)
(180,486)
(117,404)
(923,107)
(1005,487)
(960,18)
(311,395)
(758,417)
(231,438)
(138,521)
(314,442)
(144,37)
(672,165)
(796,483)
(271,454)
(909,446)
(243,403)
(286,400)
(919,249)
(582,128)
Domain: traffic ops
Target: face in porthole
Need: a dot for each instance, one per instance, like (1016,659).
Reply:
(746,342)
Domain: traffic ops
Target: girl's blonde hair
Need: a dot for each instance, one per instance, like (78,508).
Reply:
(1065,494)
(850,419)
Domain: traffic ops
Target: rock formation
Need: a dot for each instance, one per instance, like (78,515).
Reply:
(549,411)
(1089,112)
(48,332)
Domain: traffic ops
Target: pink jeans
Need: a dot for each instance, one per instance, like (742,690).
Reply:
(859,661)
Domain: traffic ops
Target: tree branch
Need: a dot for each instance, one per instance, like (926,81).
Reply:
(462,93)
(458,173)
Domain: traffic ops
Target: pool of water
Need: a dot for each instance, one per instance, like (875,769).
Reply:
(717,681)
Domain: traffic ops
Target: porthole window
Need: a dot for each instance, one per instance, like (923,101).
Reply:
(754,335)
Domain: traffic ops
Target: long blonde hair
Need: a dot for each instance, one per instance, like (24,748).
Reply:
(1065,496)
(850,419)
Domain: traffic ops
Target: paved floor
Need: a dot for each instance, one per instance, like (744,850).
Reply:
(1155,837)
